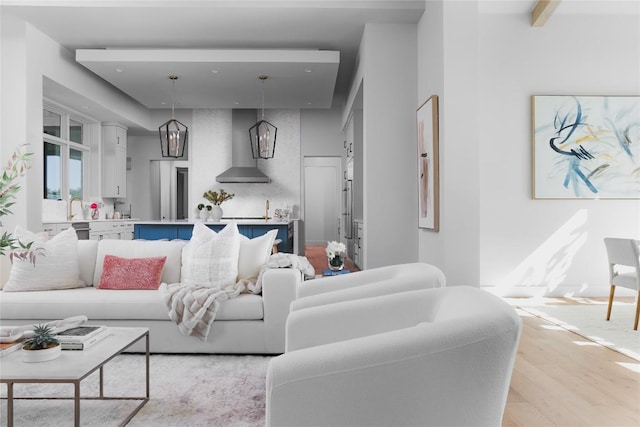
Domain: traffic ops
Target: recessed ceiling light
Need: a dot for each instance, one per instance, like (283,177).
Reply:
(308,103)
(307,70)
(118,70)
(236,103)
(214,71)
(163,103)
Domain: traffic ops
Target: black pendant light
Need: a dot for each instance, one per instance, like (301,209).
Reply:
(173,134)
(263,134)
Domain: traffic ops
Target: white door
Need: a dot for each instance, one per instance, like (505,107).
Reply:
(322,199)
(165,192)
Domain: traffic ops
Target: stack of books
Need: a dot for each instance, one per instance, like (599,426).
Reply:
(328,272)
(10,347)
(81,337)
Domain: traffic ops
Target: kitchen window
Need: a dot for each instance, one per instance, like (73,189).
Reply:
(66,153)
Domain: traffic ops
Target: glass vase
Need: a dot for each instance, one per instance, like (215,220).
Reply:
(336,263)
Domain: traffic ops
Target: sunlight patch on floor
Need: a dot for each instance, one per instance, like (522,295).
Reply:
(586,343)
(553,327)
(634,367)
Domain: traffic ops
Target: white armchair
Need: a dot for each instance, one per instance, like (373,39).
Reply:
(429,357)
(623,253)
(368,283)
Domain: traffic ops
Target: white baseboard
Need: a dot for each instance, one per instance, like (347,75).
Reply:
(560,291)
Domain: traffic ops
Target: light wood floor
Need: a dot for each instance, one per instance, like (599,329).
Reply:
(561,379)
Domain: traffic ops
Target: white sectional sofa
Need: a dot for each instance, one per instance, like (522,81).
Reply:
(248,323)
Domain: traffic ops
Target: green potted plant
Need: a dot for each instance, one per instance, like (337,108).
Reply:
(11,173)
(202,212)
(42,345)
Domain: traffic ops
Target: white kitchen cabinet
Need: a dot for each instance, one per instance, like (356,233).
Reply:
(358,244)
(349,138)
(100,230)
(124,230)
(114,160)
(52,228)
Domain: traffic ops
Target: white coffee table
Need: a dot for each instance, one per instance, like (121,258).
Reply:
(72,367)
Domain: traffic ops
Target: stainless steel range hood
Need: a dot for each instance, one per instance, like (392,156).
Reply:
(244,168)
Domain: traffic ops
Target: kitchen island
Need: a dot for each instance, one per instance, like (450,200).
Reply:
(155,230)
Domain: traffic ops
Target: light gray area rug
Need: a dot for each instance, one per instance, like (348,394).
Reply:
(587,319)
(186,390)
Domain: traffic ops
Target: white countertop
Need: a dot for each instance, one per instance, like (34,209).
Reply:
(90,220)
(223,222)
(176,222)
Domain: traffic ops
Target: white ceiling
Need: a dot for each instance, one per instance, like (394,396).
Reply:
(220,78)
(234,25)
(300,27)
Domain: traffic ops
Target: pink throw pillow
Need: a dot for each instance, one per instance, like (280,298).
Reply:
(131,273)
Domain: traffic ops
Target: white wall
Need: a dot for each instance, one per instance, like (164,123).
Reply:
(210,155)
(321,132)
(516,245)
(388,64)
(448,56)
(560,246)
(26,56)
(431,82)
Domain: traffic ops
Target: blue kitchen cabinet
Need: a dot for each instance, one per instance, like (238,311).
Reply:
(172,231)
(155,232)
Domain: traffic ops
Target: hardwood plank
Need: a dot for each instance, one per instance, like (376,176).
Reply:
(543,11)
(561,379)
(522,414)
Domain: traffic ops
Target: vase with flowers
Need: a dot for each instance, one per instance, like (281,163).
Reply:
(95,210)
(217,198)
(336,253)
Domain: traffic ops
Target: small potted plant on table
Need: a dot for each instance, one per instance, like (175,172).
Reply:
(42,346)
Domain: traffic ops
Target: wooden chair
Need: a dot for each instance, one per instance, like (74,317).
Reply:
(624,253)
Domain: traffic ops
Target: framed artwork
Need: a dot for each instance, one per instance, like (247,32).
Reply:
(586,147)
(427,156)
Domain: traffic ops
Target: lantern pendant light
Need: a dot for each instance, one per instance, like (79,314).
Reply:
(263,134)
(173,134)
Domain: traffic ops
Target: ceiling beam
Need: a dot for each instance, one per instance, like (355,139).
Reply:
(543,11)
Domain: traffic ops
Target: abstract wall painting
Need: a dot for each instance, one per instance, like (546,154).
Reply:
(586,147)
(427,157)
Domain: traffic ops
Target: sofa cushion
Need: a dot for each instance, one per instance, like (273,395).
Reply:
(56,267)
(87,251)
(105,304)
(254,253)
(210,258)
(142,249)
(131,273)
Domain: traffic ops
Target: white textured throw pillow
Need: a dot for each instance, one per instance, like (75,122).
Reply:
(56,267)
(210,258)
(254,253)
